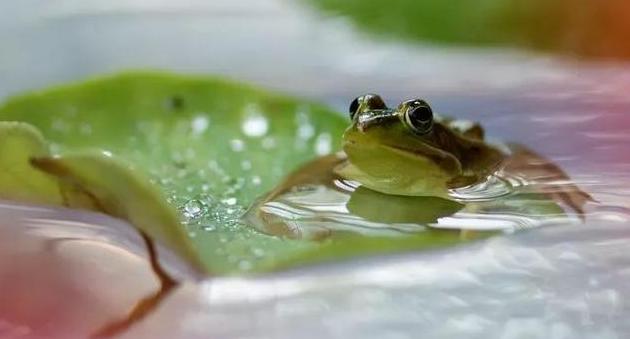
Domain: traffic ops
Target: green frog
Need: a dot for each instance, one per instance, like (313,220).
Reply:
(399,166)
(410,151)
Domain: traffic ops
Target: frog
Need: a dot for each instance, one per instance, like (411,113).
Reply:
(407,158)
(409,150)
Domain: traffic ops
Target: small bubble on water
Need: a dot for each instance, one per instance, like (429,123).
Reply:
(192,234)
(237,145)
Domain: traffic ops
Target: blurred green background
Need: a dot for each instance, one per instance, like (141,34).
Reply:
(587,28)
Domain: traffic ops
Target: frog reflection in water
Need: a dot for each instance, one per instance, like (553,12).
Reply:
(398,170)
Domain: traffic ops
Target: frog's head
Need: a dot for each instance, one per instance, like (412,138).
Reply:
(407,151)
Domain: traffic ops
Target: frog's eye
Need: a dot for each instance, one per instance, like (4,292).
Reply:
(366,102)
(419,116)
(354,107)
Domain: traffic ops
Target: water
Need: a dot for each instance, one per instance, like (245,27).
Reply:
(526,191)
(557,282)
(550,282)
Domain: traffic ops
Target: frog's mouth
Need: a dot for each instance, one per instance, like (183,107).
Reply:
(425,151)
(443,159)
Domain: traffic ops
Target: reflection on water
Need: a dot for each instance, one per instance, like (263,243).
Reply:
(64,274)
(527,191)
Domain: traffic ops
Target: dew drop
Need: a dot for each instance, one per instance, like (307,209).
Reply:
(268,143)
(199,124)
(229,201)
(305,132)
(323,144)
(246,165)
(255,124)
(194,209)
(256,180)
(258,252)
(209,228)
(237,145)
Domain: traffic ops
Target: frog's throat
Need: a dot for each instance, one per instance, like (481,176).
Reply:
(446,161)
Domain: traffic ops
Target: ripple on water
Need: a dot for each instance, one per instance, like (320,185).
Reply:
(503,202)
(492,188)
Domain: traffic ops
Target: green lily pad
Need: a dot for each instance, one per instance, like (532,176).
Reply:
(210,145)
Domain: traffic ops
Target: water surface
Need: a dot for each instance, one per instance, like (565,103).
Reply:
(559,281)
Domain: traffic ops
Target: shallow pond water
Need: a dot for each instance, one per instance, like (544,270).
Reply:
(552,282)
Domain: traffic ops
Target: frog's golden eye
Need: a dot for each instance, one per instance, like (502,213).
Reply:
(418,116)
(365,103)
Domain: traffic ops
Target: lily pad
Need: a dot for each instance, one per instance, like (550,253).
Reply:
(211,145)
